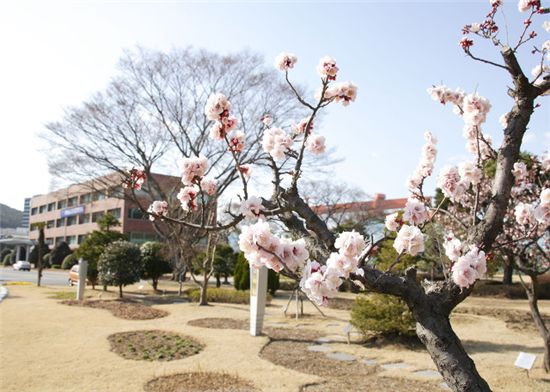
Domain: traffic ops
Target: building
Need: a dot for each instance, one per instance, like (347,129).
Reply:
(26,213)
(71,213)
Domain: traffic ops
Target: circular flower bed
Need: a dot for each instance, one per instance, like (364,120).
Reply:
(199,382)
(153,345)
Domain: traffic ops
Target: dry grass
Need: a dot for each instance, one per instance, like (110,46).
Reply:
(153,345)
(220,323)
(372,383)
(514,319)
(199,382)
(122,309)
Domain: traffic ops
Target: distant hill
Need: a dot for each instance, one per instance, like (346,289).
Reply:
(9,217)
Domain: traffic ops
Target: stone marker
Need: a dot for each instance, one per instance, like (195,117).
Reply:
(428,373)
(341,356)
(370,362)
(395,365)
(319,348)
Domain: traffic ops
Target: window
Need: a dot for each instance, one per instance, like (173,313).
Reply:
(85,199)
(61,204)
(81,238)
(140,238)
(84,219)
(135,213)
(60,222)
(58,240)
(42,209)
(115,212)
(50,224)
(98,196)
(51,206)
(71,220)
(72,201)
(34,211)
(97,215)
(71,240)
(48,241)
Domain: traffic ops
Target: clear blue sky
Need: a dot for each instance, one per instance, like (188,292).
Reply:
(58,53)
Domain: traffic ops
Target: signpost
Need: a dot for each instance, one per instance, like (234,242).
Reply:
(82,276)
(258,292)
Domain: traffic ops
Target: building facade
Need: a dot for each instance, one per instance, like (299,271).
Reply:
(71,213)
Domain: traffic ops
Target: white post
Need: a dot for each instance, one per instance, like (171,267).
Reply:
(27,251)
(82,275)
(258,292)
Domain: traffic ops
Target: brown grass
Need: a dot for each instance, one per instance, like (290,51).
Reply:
(199,382)
(220,323)
(371,384)
(122,309)
(514,319)
(153,345)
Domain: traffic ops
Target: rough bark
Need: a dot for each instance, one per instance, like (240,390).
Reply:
(40,261)
(508,273)
(533,296)
(204,288)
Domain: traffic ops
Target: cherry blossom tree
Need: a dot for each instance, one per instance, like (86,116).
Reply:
(308,251)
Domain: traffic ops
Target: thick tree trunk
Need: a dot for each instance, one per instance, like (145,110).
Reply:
(120,291)
(508,272)
(452,361)
(533,296)
(204,287)
(155,284)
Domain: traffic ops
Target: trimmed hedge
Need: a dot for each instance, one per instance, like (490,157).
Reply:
(382,315)
(220,295)
(69,261)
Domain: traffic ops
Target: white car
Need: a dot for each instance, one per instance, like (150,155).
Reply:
(22,266)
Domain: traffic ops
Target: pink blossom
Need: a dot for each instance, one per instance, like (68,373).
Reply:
(193,168)
(158,207)
(316,144)
(252,207)
(520,171)
(341,264)
(415,211)
(327,68)
(524,5)
(524,214)
(409,240)
(453,247)
(443,94)
(276,142)
(285,61)
(300,127)
(463,275)
(345,92)
(425,166)
(391,223)
(217,107)
(135,178)
(260,246)
(209,185)
(350,243)
(475,109)
(469,173)
(246,170)
(450,184)
(294,253)
(236,141)
(266,119)
(319,282)
(188,197)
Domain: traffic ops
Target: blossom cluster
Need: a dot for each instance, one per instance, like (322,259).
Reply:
(530,214)
(321,282)
(252,207)
(262,248)
(135,178)
(158,207)
(426,165)
(469,263)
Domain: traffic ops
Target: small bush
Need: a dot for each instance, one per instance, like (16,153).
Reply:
(4,253)
(55,266)
(69,261)
(59,252)
(223,296)
(120,264)
(383,315)
(241,276)
(8,259)
(46,260)
(33,256)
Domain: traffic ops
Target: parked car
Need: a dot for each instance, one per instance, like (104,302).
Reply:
(73,276)
(22,265)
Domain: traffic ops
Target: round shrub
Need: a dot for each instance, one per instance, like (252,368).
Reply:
(59,253)
(4,253)
(33,256)
(120,264)
(46,260)
(382,315)
(69,261)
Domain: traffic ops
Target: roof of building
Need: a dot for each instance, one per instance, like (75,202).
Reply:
(377,205)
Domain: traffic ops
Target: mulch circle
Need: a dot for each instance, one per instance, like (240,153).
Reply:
(199,382)
(123,309)
(219,323)
(153,345)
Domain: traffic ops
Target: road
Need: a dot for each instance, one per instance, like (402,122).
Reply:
(49,278)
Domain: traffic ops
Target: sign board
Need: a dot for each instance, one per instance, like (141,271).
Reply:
(258,292)
(525,361)
(72,211)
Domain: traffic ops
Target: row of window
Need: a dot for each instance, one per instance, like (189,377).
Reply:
(81,219)
(135,237)
(70,202)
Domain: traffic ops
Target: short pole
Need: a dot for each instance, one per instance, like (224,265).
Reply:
(82,275)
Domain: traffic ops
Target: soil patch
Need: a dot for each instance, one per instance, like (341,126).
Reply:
(124,309)
(293,334)
(372,384)
(296,356)
(153,345)
(220,323)
(199,382)
(514,319)
(410,342)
